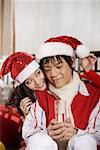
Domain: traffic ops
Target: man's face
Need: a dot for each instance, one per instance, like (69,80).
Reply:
(58,73)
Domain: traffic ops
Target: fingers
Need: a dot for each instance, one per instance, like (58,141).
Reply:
(53,121)
(68,120)
(57,134)
(69,133)
(56,129)
(68,125)
(55,126)
(92,56)
(58,126)
(88,62)
(25,100)
(25,105)
(61,131)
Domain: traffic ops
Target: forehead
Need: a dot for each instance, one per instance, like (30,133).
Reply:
(53,60)
(33,74)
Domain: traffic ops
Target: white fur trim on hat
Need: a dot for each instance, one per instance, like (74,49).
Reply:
(54,48)
(82,51)
(27,71)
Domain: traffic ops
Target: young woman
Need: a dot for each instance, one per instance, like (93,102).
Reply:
(21,65)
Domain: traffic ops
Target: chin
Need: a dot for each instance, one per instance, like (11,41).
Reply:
(59,86)
(43,88)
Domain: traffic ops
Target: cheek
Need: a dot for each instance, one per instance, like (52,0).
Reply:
(42,76)
(31,87)
(68,74)
(47,75)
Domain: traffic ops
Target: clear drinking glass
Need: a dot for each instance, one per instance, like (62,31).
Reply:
(60,110)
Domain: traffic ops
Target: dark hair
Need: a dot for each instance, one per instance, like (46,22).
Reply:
(18,94)
(46,60)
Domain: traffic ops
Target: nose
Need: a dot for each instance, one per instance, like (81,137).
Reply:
(37,81)
(53,72)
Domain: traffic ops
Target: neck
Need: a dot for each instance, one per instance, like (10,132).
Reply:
(69,90)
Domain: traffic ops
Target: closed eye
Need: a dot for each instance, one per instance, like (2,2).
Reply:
(47,70)
(59,66)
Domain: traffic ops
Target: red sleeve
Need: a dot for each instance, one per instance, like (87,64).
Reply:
(93,76)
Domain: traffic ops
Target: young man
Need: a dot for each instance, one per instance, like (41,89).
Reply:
(82,100)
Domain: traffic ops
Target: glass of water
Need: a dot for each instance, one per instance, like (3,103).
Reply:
(60,110)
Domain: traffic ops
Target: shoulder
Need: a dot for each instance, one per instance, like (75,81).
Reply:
(93,90)
(35,107)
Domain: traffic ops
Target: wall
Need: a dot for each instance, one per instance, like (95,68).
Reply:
(38,20)
(6,44)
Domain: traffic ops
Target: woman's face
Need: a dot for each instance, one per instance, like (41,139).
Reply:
(36,81)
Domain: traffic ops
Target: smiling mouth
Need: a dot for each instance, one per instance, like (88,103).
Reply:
(56,80)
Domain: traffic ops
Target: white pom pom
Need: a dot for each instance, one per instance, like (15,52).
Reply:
(82,51)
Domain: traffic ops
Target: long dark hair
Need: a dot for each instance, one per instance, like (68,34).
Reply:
(18,94)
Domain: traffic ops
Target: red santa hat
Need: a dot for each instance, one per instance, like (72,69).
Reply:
(20,65)
(62,45)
